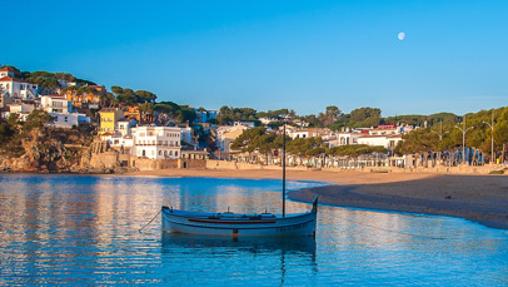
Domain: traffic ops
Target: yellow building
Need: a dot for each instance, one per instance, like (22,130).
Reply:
(108,120)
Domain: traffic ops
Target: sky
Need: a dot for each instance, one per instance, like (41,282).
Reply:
(270,54)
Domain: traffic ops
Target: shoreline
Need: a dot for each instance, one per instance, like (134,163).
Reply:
(436,196)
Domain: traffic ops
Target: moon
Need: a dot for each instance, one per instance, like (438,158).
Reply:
(401,36)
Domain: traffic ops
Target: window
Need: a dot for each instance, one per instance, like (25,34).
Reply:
(160,152)
(66,119)
(176,153)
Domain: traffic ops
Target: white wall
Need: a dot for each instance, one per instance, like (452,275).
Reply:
(157,142)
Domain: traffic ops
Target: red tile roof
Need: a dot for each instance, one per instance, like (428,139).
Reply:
(6,78)
(10,79)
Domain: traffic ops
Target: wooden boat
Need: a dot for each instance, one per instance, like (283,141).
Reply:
(243,225)
(239,225)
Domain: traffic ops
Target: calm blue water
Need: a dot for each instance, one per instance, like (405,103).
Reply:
(83,231)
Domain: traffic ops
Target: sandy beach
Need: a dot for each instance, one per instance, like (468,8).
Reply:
(482,199)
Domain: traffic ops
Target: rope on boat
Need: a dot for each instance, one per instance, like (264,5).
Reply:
(151,220)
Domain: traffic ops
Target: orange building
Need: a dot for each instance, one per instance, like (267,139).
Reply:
(90,96)
(132,113)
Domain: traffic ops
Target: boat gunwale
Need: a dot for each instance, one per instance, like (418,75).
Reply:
(204,215)
(240,228)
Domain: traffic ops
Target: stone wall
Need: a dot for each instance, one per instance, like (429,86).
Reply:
(192,163)
(104,160)
(152,164)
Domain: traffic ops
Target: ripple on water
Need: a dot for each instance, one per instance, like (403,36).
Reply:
(83,231)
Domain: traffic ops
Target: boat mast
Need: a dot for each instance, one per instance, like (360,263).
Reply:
(284,170)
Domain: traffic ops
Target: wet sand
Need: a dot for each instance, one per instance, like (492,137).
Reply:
(482,199)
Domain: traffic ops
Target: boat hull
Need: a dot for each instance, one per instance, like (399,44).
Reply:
(177,221)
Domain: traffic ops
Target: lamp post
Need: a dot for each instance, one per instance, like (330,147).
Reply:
(440,133)
(491,126)
(464,130)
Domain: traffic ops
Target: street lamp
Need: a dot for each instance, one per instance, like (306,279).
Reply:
(491,125)
(440,133)
(464,130)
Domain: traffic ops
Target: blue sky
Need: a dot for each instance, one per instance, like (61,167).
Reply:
(272,54)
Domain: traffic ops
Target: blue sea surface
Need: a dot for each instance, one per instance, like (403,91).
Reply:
(61,230)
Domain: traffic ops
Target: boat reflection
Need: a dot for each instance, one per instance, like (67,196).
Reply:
(288,251)
(304,245)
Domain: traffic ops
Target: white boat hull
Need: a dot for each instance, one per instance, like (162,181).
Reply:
(212,224)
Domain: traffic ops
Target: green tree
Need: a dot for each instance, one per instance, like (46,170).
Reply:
(365,117)
(331,115)
(356,150)
(306,147)
(37,120)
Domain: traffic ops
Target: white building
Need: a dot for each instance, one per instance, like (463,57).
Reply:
(187,135)
(55,104)
(7,72)
(124,127)
(119,142)
(21,109)
(68,120)
(301,133)
(156,142)
(245,124)
(226,135)
(16,88)
(387,141)
(344,138)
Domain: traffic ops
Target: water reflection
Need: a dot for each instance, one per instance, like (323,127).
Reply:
(68,230)
(304,245)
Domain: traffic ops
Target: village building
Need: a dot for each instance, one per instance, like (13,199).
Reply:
(387,141)
(247,124)
(156,142)
(124,127)
(108,120)
(132,112)
(344,138)
(68,120)
(7,72)
(89,98)
(226,135)
(16,88)
(62,111)
(21,109)
(55,104)
(188,138)
(205,116)
(299,133)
